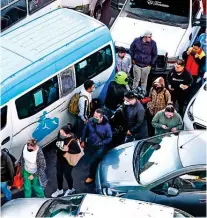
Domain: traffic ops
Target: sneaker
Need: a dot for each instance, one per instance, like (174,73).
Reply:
(57,193)
(69,192)
(89,180)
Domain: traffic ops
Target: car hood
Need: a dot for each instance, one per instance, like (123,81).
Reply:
(21,207)
(199,107)
(125,30)
(116,169)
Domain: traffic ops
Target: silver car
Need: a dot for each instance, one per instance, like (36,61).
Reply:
(169,169)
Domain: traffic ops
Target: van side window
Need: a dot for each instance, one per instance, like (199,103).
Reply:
(67,81)
(93,65)
(38,98)
(3,117)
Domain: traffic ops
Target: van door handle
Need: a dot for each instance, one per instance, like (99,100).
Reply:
(5,140)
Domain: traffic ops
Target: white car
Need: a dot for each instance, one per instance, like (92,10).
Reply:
(87,206)
(196,113)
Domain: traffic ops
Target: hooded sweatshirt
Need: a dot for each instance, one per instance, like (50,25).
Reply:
(97,134)
(159,97)
(84,104)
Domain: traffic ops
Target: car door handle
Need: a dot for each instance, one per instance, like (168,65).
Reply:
(5,140)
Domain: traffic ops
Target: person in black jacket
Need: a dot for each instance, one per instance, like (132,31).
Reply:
(115,93)
(63,168)
(179,80)
(7,175)
(133,114)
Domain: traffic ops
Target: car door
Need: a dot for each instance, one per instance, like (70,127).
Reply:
(191,195)
(6,126)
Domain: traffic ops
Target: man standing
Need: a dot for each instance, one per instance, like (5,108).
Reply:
(97,133)
(143,51)
(133,114)
(7,175)
(84,106)
(123,60)
(179,80)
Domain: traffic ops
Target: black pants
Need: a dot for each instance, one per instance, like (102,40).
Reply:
(180,97)
(63,168)
(151,129)
(79,126)
(96,153)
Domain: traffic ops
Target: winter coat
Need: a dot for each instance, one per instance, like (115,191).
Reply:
(84,105)
(175,80)
(124,64)
(7,168)
(202,40)
(143,54)
(115,95)
(133,116)
(41,167)
(97,134)
(160,119)
(158,98)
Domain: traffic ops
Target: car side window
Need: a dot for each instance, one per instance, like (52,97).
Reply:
(3,117)
(189,182)
(93,65)
(38,98)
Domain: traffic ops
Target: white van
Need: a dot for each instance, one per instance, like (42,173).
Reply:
(171,23)
(44,63)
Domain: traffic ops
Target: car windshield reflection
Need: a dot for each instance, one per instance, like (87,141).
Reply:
(156,157)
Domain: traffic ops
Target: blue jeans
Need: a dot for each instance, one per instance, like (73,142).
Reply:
(6,191)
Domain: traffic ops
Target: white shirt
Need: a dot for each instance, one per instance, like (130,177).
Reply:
(30,160)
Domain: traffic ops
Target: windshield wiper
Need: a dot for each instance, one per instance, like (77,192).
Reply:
(139,16)
(168,22)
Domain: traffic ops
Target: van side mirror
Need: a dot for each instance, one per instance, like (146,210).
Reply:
(116,4)
(172,191)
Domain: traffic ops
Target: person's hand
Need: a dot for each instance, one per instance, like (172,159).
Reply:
(150,67)
(164,127)
(91,13)
(82,144)
(9,187)
(133,62)
(188,51)
(196,55)
(66,148)
(183,86)
(170,88)
(174,129)
(86,121)
(31,177)
(128,132)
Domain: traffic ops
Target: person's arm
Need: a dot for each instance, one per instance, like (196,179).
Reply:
(41,163)
(129,63)
(139,120)
(132,49)
(82,106)
(155,121)
(92,6)
(85,133)
(188,79)
(169,78)
(179,125)
(185,54)
(108,136)
(168,96)
(10,168)
(154,54)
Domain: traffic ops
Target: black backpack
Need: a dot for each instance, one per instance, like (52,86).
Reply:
(13,159)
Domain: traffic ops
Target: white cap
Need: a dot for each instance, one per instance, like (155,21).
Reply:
(147,33)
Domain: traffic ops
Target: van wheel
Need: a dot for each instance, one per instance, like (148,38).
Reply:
(97,13)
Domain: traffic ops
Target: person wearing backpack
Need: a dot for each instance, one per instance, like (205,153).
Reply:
(159,98)
(97,135)
(7,175)
(84,108)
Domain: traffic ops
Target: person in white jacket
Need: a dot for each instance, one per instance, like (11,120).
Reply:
(84,106)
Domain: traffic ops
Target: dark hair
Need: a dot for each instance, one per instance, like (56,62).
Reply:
(88,84)
(32,142)
(99,111)
(197,43)
(122,49)
(170,108)
(130,95)
(67,128)
(180,62)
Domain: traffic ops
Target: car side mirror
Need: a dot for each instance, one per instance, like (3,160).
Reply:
(116,4)
(172,191)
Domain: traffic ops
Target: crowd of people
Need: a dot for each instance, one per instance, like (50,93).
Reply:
(128,114)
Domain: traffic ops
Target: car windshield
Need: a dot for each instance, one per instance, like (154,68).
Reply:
(165,11)
(156,157)
(61,207)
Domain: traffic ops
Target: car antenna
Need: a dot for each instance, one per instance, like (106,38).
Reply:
(190,140)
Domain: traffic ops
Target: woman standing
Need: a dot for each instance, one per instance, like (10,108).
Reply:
(33,169)
(167,120)
(66,142)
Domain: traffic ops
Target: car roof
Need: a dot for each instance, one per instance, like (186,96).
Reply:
(105,206)
(192,147)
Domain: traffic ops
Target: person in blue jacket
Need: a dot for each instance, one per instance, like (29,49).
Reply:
(98,135)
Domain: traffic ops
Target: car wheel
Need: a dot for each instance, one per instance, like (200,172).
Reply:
(98,13)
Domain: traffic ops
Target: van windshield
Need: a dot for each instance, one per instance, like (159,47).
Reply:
(166,11)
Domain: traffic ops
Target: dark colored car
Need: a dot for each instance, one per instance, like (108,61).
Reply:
(169,169)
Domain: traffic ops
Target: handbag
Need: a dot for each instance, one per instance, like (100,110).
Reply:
(73,159)
(18,179)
